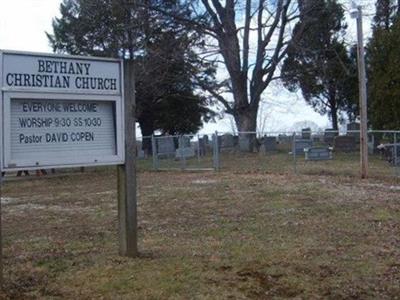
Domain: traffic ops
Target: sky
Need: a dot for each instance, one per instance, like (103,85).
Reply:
(23,24)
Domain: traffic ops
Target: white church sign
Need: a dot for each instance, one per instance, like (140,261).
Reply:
(60,111)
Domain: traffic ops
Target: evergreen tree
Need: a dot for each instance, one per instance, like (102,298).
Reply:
(383,63)
(319,63)
(162,49)
(384,78)
(386,12)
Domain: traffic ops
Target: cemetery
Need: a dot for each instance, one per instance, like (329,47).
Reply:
(250,229)
(218,216)
(268,222)
(199,150)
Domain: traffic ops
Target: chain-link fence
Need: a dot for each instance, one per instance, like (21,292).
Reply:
(327,152)
(309,152)
(183,152)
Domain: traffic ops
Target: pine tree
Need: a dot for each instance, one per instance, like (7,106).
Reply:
(384,78)
(319,64)
(386,13)
(162,50)
(383,61)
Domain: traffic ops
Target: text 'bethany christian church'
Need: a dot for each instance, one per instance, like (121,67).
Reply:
(62,74)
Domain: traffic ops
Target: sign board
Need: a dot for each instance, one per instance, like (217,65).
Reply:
(60,111)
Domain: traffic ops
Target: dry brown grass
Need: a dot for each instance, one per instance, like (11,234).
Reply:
(235,234)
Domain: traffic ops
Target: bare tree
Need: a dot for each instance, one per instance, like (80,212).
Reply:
(252,38)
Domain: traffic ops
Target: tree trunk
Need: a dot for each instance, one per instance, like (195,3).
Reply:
(246,122)
(334,118)
(333,107)
(147,130)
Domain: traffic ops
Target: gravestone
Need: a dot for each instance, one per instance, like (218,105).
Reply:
(208,143)
(185,152)
(226,142)
(235,140)
(353,129)
(329,135)
(306,133)
(388,152)
(269,144)
(300,145)
(246,142)
(185,140)
(317,138)
(285,142)
(202,146)
(396,158)
(353,126)
(345,143)
(284,139)
(318,153)
(165,146)
(139,147)
(140,154)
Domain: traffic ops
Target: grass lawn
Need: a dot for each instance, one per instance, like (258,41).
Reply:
(253,230)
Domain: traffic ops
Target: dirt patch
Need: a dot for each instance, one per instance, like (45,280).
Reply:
(204,235)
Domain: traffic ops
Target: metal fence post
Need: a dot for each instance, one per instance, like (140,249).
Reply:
(373,143)
(181,154)
(395,153)
(154,152)
(294,153)
(216,151)
(198,149)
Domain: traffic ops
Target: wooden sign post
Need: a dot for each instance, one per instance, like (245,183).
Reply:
(127,205)
(59,111)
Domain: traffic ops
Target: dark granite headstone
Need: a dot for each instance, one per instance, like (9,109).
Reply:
(396,158)
(353,126)
(236,140)
(318,153)
(185,141)
(185,152)
(202,146)
(388,152)
(269,143)
(345,143)
(306,133)
(300,145)
(284,139)
(353,129)
(140,154)
(227,142)
(165,145)
(139,146)
(329,136)
(317,138)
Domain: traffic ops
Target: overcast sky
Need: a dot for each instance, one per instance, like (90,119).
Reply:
(23,24)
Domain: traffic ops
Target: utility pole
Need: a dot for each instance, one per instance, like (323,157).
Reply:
(356,13)
(1,236)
